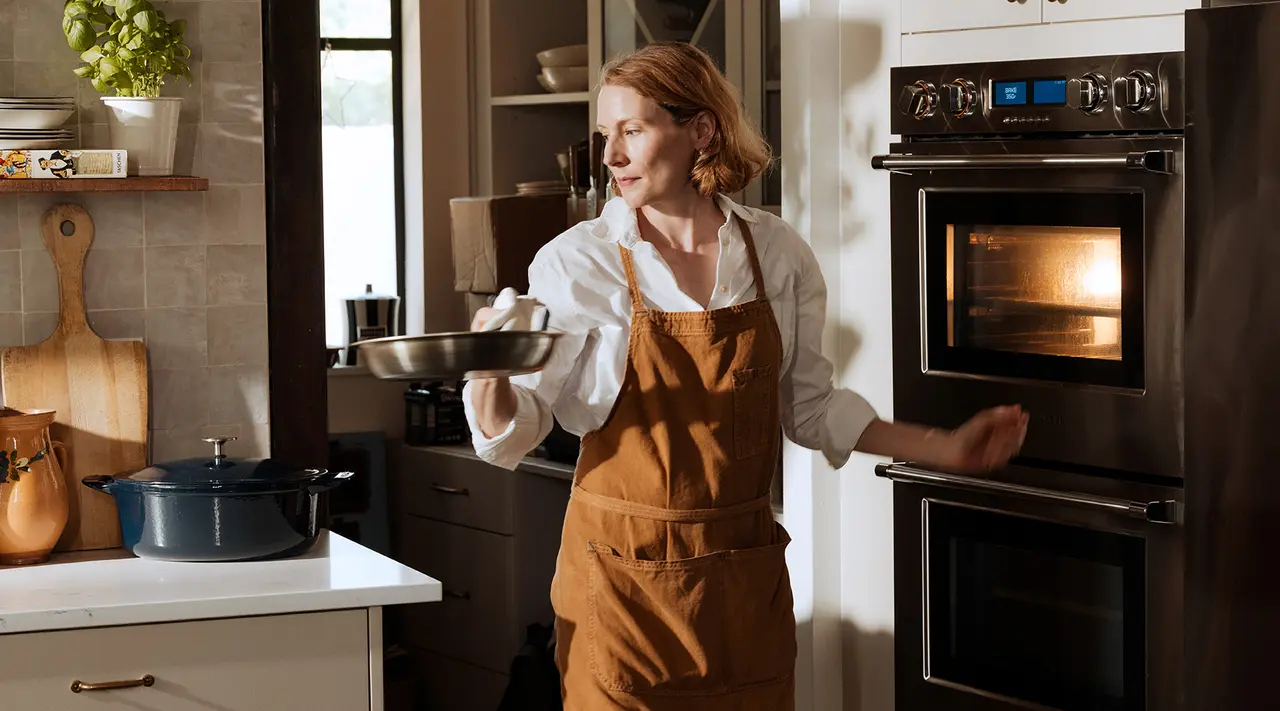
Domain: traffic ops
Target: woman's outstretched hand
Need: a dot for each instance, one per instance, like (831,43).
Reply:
(987,441)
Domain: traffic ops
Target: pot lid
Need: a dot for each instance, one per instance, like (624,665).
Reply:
(220,472)
(369,295)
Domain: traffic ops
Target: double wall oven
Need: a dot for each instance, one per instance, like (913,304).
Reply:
(1037,256)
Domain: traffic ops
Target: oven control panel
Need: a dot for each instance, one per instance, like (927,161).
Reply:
(1139,92)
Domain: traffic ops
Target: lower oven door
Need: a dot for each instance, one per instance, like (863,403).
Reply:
(1049,274)
(1036,591)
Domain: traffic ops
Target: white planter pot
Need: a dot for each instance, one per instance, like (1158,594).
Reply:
(147,129)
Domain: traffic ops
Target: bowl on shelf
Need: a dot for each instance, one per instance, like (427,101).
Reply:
(572,55)
(35,113)
(563,80)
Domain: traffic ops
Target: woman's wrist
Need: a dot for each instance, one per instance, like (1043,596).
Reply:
(907,442)
(495,403)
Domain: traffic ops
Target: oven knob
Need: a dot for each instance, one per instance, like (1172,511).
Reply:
(1136,91)
(1087,94)
(918,100)
(962,98)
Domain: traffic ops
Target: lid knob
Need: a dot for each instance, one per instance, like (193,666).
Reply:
(217,443)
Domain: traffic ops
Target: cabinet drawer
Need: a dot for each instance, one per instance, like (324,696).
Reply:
(452,488)
(935,15)
(1076,10)
(474,622)
(306,662)
(449,685)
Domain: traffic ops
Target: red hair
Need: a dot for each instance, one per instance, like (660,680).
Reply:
(683,79)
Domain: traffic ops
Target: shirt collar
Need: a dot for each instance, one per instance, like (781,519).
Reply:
(617,221)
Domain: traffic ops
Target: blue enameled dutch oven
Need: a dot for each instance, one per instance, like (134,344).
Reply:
(217,509)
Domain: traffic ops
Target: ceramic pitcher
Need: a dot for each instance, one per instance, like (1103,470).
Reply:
(33,495)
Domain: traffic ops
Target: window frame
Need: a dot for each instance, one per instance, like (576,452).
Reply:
(395,45)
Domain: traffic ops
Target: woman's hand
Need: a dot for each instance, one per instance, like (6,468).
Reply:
(493,398)
(987,441)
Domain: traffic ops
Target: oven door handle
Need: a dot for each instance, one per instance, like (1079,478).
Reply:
(1153,511)
(1151,161)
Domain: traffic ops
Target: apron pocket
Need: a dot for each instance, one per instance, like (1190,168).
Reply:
(754,394)
(697,626)
(760,613)
(656,626)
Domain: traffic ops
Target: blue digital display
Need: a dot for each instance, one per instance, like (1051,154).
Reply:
(1009,93)
(1049,92)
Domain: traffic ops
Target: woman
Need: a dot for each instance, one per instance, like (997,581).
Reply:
(681,371)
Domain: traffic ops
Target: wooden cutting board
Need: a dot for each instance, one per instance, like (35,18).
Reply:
(98,388)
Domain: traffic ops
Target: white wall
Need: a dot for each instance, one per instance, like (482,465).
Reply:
(836,59)
(869,46)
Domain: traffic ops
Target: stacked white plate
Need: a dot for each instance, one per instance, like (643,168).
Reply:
(35,122)
(542,187)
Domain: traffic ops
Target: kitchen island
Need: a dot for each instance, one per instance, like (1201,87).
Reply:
(108,630)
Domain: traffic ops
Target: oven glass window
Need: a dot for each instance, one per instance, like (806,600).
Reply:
(1045,613)
(1037,285)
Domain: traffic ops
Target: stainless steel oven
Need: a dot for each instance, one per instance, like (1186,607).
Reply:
(1038,258)
(1036,590)
(1037,252)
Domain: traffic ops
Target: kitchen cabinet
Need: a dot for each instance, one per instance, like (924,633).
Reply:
(1076,10)
(519,126)
(935,15)
(491,537)
(1129,35)
(305,661)
(941,15)
(303,632)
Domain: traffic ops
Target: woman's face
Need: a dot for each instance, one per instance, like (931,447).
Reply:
(648,153)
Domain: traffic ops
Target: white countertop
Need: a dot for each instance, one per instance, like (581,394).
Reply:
(102,588)
(530,464)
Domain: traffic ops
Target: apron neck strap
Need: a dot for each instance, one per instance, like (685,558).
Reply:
(756,271)
(629,266)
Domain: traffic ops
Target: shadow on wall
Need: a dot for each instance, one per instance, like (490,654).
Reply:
(867,655)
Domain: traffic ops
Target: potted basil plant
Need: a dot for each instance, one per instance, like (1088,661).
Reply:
(128,48)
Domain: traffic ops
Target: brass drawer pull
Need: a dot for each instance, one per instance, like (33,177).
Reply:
(77,686)
(463,595)
(451,490)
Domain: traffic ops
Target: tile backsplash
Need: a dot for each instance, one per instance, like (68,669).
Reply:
(184,271)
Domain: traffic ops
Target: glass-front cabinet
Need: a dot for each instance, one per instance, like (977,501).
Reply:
(744,39)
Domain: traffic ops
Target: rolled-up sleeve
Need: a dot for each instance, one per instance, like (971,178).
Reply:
(815,414)
(536,393)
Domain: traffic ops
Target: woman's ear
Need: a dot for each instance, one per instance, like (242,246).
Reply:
(704,129)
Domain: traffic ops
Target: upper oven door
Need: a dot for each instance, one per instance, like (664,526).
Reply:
(1047,274)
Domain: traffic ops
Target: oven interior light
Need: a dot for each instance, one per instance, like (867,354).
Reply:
(1101,279)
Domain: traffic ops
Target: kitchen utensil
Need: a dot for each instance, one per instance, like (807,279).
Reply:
(461,355)
(572,55)
(515,342)
(37,118)
(369,316)
(33,493)
(98,388)
(596,194)
(17,140)
(218,509)
(566,79)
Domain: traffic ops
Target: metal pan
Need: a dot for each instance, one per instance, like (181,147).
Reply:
(463,355)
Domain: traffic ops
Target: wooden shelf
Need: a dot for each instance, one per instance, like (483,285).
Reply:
(174,183)
(576,97)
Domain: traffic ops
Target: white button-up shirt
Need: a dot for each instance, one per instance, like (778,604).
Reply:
(579,277)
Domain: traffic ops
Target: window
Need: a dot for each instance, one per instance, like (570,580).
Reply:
(363,168)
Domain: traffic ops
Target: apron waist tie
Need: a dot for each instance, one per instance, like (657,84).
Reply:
(656,513)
